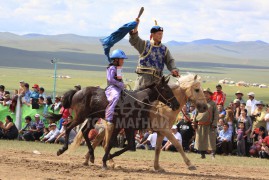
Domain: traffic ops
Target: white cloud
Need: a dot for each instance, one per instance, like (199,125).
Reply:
(235,20)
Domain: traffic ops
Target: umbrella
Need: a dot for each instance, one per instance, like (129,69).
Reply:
(116,36)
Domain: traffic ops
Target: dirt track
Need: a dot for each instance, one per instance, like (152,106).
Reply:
(26,165)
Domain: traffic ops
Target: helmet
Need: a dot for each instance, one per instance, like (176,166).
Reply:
(118,54)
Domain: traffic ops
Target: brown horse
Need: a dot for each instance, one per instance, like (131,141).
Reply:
(90,103)
(185,88)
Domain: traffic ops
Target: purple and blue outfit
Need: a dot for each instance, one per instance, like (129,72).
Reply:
(113,91)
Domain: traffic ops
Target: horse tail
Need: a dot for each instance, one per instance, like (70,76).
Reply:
(67,98)
(77,140)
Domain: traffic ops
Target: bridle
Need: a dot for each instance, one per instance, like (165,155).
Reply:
(168,101)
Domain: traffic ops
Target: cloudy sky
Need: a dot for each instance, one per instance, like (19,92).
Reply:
(183,20)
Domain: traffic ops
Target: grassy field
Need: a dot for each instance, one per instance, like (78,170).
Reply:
(10,77)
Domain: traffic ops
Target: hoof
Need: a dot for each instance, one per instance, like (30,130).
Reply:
(92,160)
(160,170)
(59,153)
(192,168)
(104,168)
(85,164)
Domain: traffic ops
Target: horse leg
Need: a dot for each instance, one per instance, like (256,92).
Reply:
(69,127)
(158,147)
(109,146)
(178,146)
(130,146)
(90,154)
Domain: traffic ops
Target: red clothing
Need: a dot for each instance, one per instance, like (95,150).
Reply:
(65,112)
(266,140)
(219,97)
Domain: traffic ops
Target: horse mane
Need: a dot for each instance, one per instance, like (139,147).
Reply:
(184,81)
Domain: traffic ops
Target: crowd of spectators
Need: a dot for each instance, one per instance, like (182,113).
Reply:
(242,128)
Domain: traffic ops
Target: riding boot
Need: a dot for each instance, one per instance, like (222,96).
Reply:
(108,132)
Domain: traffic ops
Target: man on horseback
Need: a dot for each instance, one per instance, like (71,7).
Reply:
(114,88)
(153,56)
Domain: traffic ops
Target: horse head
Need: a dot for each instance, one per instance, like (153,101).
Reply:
(166,94)
(191,87)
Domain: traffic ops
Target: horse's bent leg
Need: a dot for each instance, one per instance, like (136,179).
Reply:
(179,147)
(109,142)
(157,152)
(67,132)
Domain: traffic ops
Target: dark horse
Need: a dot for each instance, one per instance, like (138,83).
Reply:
(90,103)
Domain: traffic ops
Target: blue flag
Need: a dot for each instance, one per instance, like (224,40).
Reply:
(116,36)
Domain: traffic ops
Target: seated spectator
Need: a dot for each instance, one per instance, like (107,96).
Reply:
(186,131)
(61,137)
(52,135)
(169,146)
(8,130)
(150,142)
(258,135)
(25,133)
(38,127)
(2,91)
(220,125)
(45,132)
(264,152)
(224,140)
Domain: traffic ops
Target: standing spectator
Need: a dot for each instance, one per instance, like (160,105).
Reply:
(27,94)
(21,90)
(243,118)
(259,115)
(224,140)
(236,106)
(229,118)
(241,108)
(77,87)
(251,103)
(8,130)
(25,133)
(187,132)
(169,146)
(239,95)
(34,97)
(266,118)
(241,139)
(2,91)
(221,111)
(37,131)
(206,123)
(47,106)
(52,135)
(42,92)
(219,96)
(14,100)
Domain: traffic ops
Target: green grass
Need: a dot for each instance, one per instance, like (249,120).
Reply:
(144,155)
(10,77)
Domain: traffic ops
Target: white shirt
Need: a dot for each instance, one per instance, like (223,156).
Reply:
(52,134)
(266,117)
(178,137)
(152,139)
(251,105)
